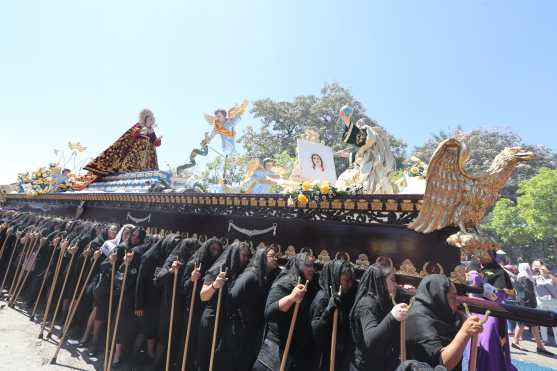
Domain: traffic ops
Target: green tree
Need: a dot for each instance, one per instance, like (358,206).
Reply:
(214,170)
(529,225)
(483,145)
(282,123)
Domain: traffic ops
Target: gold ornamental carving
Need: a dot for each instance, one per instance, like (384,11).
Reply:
(408,268)
(362,205)
(407,205)
(458,275)
(431,268)
(376,205)
(324,257)
(362,262)
(453,197)
(391,205)
(349,204)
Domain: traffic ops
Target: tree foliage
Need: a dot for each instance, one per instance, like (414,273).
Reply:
(529,225)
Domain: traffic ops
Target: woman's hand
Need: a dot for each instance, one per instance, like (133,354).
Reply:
(195,275)
(220,280)
(400,311)
(128,258)
(113,258)
(175,267)
(471,326)
(298,293)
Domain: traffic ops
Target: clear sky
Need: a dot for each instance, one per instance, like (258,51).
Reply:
(82,70)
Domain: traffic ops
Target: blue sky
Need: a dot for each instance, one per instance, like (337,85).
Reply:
(82,70)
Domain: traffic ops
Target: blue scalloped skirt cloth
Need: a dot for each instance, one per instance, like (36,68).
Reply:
(136,182)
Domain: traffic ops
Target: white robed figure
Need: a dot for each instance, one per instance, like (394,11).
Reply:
(373,161)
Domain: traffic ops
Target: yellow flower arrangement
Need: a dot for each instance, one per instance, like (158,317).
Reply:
(325,187)
(306,186)
(302,199)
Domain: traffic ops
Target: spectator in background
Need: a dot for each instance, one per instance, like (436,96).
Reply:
(536,265)
(546,293)
(525,293)
(512,271)
(502,257)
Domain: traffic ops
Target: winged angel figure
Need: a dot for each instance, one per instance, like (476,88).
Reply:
(224,123)
(455,198)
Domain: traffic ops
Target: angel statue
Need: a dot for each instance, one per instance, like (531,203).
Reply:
(372,162)
(455,198)
(224,124)
(258,178)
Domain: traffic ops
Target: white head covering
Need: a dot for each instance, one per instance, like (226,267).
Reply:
(524,270)
(109,245)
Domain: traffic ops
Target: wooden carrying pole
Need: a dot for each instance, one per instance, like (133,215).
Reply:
(171,321)
(76,290)
(402,355)
(61,297)
(4,244)
(9,265)
(120,300)
(216,328)
(73,310)
(23,263)
(190,319)
(17,273)
(290,333)
(38,298)
(332,360)
(27,263)
(52,287)
(474,341)
(109,320)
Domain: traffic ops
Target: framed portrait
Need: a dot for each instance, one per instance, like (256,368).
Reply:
(316,161)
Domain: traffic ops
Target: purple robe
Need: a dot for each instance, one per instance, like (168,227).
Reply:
(491,354)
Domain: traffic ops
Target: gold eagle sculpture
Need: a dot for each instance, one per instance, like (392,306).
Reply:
(455,198)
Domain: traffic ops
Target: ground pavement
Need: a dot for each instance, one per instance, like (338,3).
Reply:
(21,350)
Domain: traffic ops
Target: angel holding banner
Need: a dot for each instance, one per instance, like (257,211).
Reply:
(224,124)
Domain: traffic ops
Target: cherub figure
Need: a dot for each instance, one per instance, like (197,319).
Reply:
(224,124)
(260,178)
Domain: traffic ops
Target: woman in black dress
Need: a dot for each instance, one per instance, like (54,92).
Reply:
(196,268)
(287,290)
(222,275)
(247,301)
(435,332)
(375,321)
(334,275)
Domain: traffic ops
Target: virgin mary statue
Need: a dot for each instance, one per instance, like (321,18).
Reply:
(134,151)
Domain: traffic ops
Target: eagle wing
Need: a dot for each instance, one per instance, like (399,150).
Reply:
(445,187)
(238,109)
